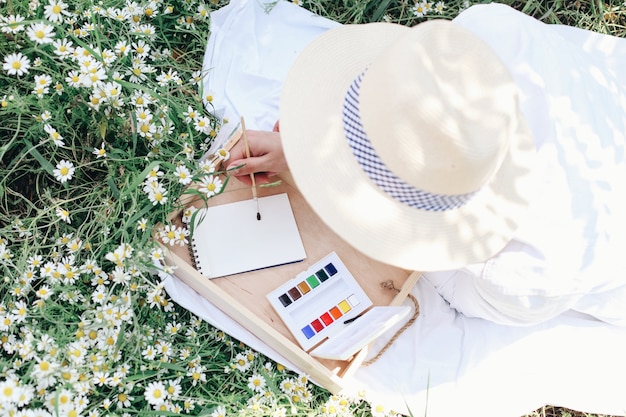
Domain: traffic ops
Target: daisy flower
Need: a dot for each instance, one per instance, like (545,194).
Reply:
(121,15)
(64,171)
(210,185)
(206,166)
(188,213)
(190,115)
(74,245)
(138,71)
(256,383)
(241,362)
(187,22)
(142,224)
(9,391)
(35,261)
(166,77)
(419,10)
(188,150)
(208,97)
(203,11)
(62,213)
(155,393)
(141,48)
(183,174)
(122,48)
(108,56)
(220,411)
(181,235)
(379,410)
(197,375)
(44,292)
(222,154)
(55,10)
(40,33)
(151,9)
(141,99)
(55,137)
(43,80)
(202,124)
(16,64)
(196,77)
(40,91)
(439,6)
(146,129)
(168,234)
(44,368)
(144,115)
(287,385)
(146,29)
(100,152)
(158,195)
(124,399)
(74,79)
(12,23)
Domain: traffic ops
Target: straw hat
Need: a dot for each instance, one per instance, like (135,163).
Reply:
(409,142)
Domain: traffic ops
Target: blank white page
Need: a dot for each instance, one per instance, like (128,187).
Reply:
(228,239)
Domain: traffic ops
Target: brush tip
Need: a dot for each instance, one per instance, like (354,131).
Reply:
(258,215)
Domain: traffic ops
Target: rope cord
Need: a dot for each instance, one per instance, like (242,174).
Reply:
(389,286)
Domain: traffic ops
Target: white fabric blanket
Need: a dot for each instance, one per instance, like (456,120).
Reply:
(446,364)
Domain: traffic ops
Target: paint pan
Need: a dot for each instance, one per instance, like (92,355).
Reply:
(321,304)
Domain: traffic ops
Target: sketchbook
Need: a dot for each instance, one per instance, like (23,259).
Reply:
(228,239)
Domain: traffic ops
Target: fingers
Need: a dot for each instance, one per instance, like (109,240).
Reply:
(266,157)
(252,165)
(260,178)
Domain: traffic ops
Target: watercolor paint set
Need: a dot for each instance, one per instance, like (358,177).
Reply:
(321,305)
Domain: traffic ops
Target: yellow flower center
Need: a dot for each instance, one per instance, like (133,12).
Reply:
(56,9)
(16,65)
(40,34)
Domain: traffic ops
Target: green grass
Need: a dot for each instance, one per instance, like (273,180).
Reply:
(89,174)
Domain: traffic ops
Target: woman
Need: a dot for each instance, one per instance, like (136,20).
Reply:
(554,248)
(495,110)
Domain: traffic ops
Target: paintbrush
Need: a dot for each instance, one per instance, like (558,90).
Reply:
(254,195)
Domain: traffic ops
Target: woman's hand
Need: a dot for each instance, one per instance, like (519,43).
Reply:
(266,157)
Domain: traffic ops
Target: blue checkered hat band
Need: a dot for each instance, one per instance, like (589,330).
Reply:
(376,169)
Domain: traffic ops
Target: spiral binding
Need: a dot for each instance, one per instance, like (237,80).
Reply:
(193,255)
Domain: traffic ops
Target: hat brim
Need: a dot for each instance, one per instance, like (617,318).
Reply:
(340,192)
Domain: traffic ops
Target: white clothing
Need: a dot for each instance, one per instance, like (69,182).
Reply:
(569,251)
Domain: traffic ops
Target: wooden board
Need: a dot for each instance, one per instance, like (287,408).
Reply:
(243,296)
